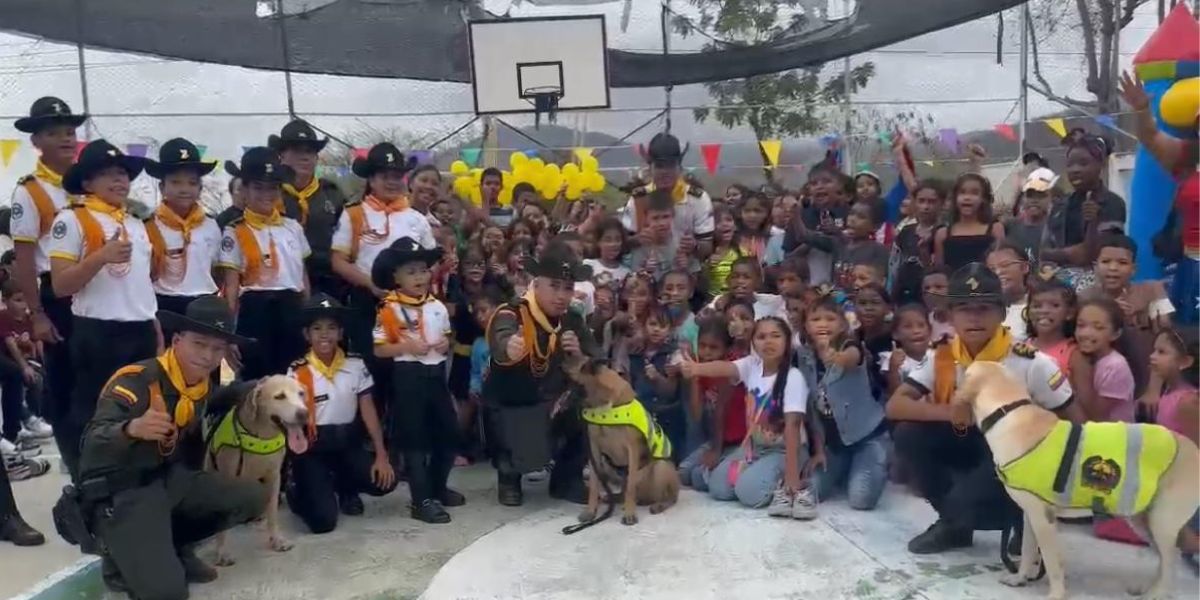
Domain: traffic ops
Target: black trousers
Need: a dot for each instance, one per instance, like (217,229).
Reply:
(337,464)
(360,340)
(60,376)
(8,504)
(423,425)
(955,474)
(98,349)
(271,318)
(570,448)
(17,399)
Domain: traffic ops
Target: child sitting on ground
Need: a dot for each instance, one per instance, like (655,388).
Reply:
(722,404)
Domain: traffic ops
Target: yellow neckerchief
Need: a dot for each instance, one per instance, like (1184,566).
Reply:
(185,409)
(94,203)
(301,196)
(955,354)
(391,324)
(401,298)
(43,171)
(259,221)
(93,233)
(184,225)
(329,371)
(539,317)
(678,193)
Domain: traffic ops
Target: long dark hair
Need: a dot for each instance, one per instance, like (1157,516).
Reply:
(1039,285)
(774,408)
(985,208)
(1184,340)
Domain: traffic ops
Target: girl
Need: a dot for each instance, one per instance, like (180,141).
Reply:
(972,229)
(722,404)
(637,296)
(912,251)
(521,230)
(776,400)
(867,187)
(1091,209)
(425,185)
(655,380)
(740,318)
(873,310)
(491,238)
(744,283)
(1096,330)
(725,250)
(911,333)
(1011,265)
(934,286)
(754,230)
(782,212)
(612,243)
(1050,321)
(850,444)
(513,258)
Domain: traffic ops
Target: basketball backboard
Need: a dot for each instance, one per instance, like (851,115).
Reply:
(523,65)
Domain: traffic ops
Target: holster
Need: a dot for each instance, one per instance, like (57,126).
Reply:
(72,519)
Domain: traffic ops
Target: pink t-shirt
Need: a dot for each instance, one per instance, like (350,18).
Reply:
(1114,379)
(1168,407)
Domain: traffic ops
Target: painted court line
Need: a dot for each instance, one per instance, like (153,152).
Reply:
(57,577)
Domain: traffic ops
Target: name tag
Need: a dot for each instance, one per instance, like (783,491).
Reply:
(321,398)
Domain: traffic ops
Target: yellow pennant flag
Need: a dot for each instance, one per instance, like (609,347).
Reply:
(581,153)
(1057,126)
(771,150)
(7,149)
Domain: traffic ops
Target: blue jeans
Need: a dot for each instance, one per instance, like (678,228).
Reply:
(696,475)
(861,469)
(755,482)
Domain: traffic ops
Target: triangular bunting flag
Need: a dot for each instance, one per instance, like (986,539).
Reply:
(1057,126)
(471,155)
(1006,131)
(885,138)
(771,150)
(531,153)
(203,149)
(1106,121)
(580,153)
(361,152)
(712,157)
(79,148)
(7,149)
(423,156)
(138,150)
(863,166)
(949,138)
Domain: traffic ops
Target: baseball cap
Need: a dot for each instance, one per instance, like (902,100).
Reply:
(1040,180)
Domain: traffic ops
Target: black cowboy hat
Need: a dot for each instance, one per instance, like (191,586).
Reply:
(96,156)
(402,251)
(178,154)
(383,156)
(664,149)
(261,164)
(206,315)
(296,133)
(323,306)
(558,261)
(974,283)
(47,111)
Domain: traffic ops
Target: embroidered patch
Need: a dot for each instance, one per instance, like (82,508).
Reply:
(227,244)
(1101,474)
(18,211)
(1056,380)
(60,230)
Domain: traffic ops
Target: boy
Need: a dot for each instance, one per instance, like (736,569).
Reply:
(659,254)
(816,223)
(1029,231)
(858,247)
(491,183)
(482,308)
(21,376)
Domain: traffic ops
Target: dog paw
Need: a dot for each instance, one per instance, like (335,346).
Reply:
(1014,580)
(586,515)
(279,544)
(224,560)
(629,519)
(1057,595)
(658,508)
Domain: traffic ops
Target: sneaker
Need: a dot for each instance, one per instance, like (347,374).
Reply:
(805,506)
(20,469)
(781,503)
(940,537)
(7,448)
(38,428)
(27,447)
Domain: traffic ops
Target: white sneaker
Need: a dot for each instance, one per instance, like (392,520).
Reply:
(39,428)
(7,448)
(805,507)
(781,503)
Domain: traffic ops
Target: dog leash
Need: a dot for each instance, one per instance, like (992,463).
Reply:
(610,500)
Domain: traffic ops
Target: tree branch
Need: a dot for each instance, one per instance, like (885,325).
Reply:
(1089,45)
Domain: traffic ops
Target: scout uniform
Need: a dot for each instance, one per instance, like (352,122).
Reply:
(337,466)
(36,201)
(113,314)
(184,247)
(316,207)
(520,392)
(693,206)
(147,507)
(268,253)
(420,413)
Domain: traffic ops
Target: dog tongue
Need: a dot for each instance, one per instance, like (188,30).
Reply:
(297,440)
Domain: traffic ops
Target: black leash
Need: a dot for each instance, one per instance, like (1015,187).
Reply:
(610,500)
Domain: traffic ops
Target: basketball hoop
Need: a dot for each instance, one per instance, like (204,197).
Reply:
(545,102)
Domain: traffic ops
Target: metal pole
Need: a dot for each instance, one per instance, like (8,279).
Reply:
(287,58)
(664,24)
(1024,96)
(89,128)
(847,155)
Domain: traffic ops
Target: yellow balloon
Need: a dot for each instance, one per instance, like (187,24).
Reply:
(516,159)
(537,163)
(547,192)
(590,164)
(596,182)
(574,192)
(1180,104)
(476,196)
(459,167)
(570,170)
(476,174)
(553,168)
(505,198)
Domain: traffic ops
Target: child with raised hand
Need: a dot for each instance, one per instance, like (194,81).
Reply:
(972,229)
(725,250)
(754,231)
(824,217)
(911,332)
(654,377)
(773,450)
(745,281)
(612,244)
(1050,321)
(626,327)
(720,403)
(739,317)
(1097,328)
(675,293)
(912,250)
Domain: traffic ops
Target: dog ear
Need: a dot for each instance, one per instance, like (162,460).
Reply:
(594,366)
(255,398)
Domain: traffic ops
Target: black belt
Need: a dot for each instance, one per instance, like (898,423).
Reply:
(100,488)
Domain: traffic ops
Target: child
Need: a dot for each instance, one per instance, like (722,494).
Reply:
(754,232)
(1096,330)
(1050,321)
(1029,231)
(796,307)
(482,307)
(850,446)
(468,283)
(725,250)
(858,246)
(911,333)
(972,229)
(675,291)
(491,238)
(612,245)
(782,212)
(934,286)
(413,329)
(865,274)
(791,278)
(1011,265)
(655,380)
(1090,212)
(745,281)
(722,403)
(776,401)
(659,254)
(873,308)
(22,376)
(521,230)
(824,216)
(912,250)
(626,327)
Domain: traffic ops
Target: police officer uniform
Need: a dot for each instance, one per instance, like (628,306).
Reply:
(693,206)
(521,392)
(147,507)
(337,466)
(185,247)
(268,253)
(316,207)
(113,314)
(36,201)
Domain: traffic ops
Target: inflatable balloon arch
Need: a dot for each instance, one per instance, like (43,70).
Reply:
(549,179)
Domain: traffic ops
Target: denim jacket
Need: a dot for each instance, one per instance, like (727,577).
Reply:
(855,409)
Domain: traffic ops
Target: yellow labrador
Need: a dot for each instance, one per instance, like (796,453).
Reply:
(1141,471)
(248,444)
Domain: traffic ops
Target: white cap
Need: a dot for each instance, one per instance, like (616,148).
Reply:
(1040,180)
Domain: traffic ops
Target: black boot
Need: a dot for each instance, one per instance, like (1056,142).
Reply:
(440,464)
(351,504)
(940,537)
(14,529)
(430,511)
(509,489)
(451,498)
(113,580)
(194,569)
(425,506)
(566,482)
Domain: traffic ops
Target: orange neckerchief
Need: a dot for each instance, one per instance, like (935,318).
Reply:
(189,395)
(304,376)
(255,266)
(302,196)
(43,171)
(390,322)
(389,207)
(93,233)
(953,354)
(172,220)
(374,236)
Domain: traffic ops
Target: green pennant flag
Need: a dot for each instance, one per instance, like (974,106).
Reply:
(471,155)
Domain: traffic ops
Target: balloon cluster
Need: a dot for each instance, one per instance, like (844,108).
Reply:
(571,180)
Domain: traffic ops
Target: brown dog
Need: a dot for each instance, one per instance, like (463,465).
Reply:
(650,480)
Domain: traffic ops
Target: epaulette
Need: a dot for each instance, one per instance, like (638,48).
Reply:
(236,221)
(353,202)
(695,190)
(1024,349)
(25,179)
(299,362)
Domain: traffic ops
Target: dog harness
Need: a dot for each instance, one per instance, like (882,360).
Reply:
(231,433)
(633,414)
(1111,468)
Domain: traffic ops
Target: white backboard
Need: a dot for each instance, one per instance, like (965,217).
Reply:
(509,57)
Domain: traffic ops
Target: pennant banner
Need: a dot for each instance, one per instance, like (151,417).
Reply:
(863,166)
(885,138)
(771,150)
(7,149)
(531,153)
(949,138)
(712,157)
(471,155)
(203,149)
(1006,131)
(1057,126)
(79,148)
(361,152)
(1107,121)
(423,156)
(138,150)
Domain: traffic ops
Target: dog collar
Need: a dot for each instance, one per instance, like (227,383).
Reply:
(991,420)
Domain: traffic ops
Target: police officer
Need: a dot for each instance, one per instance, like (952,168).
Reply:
(527,392)
(147,507)
(36,201)
(693,206)
(946,455)
(313,202)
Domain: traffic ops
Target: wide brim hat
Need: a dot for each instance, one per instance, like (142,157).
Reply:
(178,154)
(974,282)
(95,157)
(665,148)
(558,261)
(48,111)
(261,164)
(323,306)
(206,315)
(296,133)
(383,157)
(402,251)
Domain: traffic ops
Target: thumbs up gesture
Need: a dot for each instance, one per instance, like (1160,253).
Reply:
(116,250)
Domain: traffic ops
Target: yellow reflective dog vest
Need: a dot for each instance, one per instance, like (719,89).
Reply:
(231,433)
(1112,468)
(635,415)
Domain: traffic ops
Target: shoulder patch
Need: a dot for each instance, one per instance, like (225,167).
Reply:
(299,362)
(59,231)
(17,211)
(695,190)
(357,201)
(227,243)
(1024,349)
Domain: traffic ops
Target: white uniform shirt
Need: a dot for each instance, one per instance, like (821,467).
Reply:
(396,225)
(26,221)
(290,244)
(692,215)
(117,292)
(1048,386)
(1014,320)
(337,401)
(434,320)
(202,253)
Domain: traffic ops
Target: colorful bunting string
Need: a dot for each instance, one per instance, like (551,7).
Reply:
(138,150)
(1006,131)
(7,149)
(1106,121)
(712,156)
(1057,126)
(471,155)
(948,137)
(361,153)
(203,149)
(771,149)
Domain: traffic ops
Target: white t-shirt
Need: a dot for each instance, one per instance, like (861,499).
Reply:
(383,230)
(759,386)
(290,244)
(1047,385)
(118,292)
(600,272)
(584,298)
(692,215)
(202,252)
(25,223)
(1014,320)
(337,401)
(434,321)
(765,305)
(909,365)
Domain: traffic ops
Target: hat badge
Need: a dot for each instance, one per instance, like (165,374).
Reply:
(973,284)
(219,324)
(183,154)
(112,152)
(326,304)
(269,168)
(391,158)
(301,134)
(57,107)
